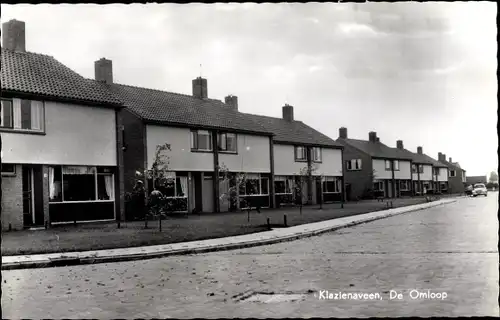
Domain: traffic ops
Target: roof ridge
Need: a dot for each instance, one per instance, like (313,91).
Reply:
(28,52)
(162,91)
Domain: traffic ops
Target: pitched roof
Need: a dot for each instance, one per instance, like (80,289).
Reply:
(453,165)
(295,131)
(377,149)
(434,162)
(417,158)
(39,74)
(174,108)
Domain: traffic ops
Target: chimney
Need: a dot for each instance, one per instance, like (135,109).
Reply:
(200,88)
(441,157)
(419,150)
(450,161)
(372,136)
(399,144)
(14,35)
(288,112)
(343,133)
(103,69)
(232,101)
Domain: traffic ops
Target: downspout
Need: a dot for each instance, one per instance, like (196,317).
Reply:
(310,177)
(272,201)
(393,180)
(215,148)
(342,180)
(418,178)
(119,175)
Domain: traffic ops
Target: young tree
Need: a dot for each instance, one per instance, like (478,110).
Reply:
(160,175)
(303,177)
(493,177)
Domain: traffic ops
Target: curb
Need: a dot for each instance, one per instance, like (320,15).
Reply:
(72,258)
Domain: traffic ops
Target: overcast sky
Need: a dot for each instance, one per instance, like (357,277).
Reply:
(424,73)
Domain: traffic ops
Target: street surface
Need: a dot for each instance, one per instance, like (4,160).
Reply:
(449,250)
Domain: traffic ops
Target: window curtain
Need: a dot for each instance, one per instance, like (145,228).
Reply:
(108,183)
(184,188)
(52,187)
(16,112)
(290,185)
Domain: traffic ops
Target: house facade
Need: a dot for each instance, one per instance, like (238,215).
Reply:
(307,164)
(421,168)
(373,169)
(61,153)
(222,159)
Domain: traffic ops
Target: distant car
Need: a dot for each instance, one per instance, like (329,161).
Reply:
(479,189)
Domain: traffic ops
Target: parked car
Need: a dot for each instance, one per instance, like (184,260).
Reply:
(479,189)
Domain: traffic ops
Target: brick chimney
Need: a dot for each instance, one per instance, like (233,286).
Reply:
(441,156)
(288,112)
(372,136)
(14,35)
(200,88)
(420,150)
(450,160)
(343,133)
(103,69)
(399,144)
(232,101)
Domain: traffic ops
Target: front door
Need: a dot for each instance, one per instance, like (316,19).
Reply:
(398,188)
(319,191)
(208,194)
(28,197)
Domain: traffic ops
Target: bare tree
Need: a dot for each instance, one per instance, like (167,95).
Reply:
(303,177)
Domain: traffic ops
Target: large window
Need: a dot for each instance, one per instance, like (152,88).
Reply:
(378,186)
(201,140)
(227,142)
(173,186)
(331,185)
(421,168)
(404,185)
(283,185)
(436,171)
(414,168)
(396,165)
(20,114)
(316,154)
(353,164)
(254,185)
(80,183)
(300,153)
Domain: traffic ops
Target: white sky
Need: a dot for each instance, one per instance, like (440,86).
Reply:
(424,73)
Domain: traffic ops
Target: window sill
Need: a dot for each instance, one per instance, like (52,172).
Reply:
(300,160)
(80,201)
(228,152)
(8,174)
(201,151)
(354,169)
(314,161)
(22,131)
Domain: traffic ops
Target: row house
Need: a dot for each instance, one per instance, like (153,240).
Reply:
(61,154)
(437,181)
(217,151)
(456,176)
(422,170)
(373,169)
(303,157)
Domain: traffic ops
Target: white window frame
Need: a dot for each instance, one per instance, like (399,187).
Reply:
(222,137)
(453,173)
(195,142)
(378,184)
(94,169)
(414,168)
(304,153)
(37,111)
(258,177)
(289,185)
(8,173)
(317,154)
(337,186)
(395,165)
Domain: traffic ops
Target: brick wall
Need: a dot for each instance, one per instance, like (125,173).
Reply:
(12,201)
(360,180)
(134,155)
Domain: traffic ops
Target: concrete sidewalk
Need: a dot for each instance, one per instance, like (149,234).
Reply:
(228,243)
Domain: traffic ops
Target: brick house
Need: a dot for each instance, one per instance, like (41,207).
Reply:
(457,178)
(373,169)
(438,173)
(60,148)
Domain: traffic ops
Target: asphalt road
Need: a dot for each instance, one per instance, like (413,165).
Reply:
(441,262)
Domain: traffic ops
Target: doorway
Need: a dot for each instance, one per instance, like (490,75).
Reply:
(32,193)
